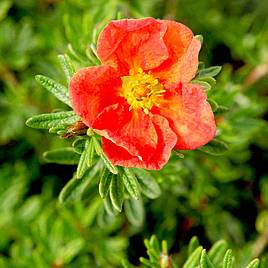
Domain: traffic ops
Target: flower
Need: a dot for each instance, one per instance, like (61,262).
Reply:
(140,100)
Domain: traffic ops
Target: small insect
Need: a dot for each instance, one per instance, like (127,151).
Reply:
(78,128)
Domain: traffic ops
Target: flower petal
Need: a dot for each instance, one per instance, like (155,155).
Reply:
(189,114)
(166,141)
(132,43)
(183,50)
(132,130)
(92,89)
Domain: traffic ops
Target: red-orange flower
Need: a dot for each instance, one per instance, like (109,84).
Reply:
(140,100)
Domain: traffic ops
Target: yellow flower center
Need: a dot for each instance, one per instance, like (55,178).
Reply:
(141,90)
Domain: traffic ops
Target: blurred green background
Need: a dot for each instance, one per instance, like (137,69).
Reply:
(213,197)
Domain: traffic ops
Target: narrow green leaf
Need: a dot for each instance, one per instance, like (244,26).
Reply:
(200,38)
(154,243)
(211,71)
(193,245)
(58,90)
(215,147)
(194,258)
(105,181)
(67,66)
(134,210)
(206,86)
(216,253)
(70,250)
(117,192)
(97,145)
(82,165)
(5,5)
(126,264)
(109,165)
(50,120)
(109,207)
(79,145)
(91,153)
(68,189)
(205,261)
(131,183)
(148,185)
(228,259)
(65,156)
(254,264)
(214,105)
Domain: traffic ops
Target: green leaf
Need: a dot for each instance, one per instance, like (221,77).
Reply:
(214,105)
(68,189)
(211,71)
(193,245)
(79,145)
(148,185)
(70,250)
(65,156)
(216,253)
(5,5)
(228,259)
(100,152)
(91,153)
(254,264)
(205,261)
(109,207)
(194,258)
(206,86)
(51,120)
(82,165)
(67,66)
(199,37)
(215,147)
(58,90)
(105,181)
(134,210)
(131,183)
(117,192)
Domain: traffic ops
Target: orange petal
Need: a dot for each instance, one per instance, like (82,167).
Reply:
(92,89)
(189,114)
(132,43)
(183,50)
(132,130)
(166,141)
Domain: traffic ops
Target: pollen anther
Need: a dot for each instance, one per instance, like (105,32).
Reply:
(141,90)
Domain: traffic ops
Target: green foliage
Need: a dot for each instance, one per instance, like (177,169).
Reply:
(217,256)
(50,218)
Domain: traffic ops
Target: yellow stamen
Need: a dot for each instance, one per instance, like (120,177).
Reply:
(141,90)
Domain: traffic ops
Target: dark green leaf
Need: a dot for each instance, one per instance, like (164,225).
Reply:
(46,121)
(117,192)
(148,185)
(215,147)
(82,165)
(58,90)
(131,183)
(105,181)
(134,210)
(65,156)
(68,189)
(211,71)
(79,145)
